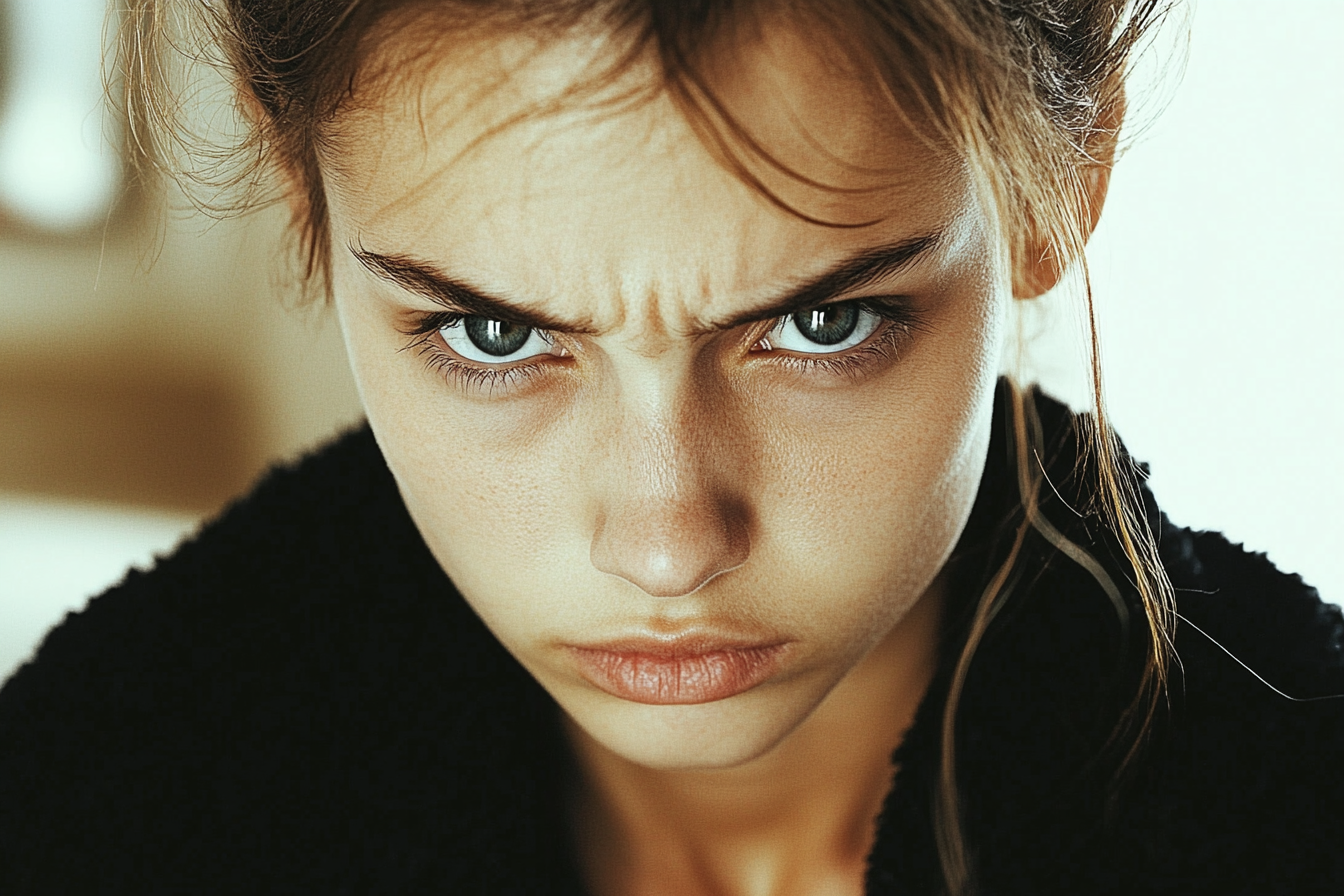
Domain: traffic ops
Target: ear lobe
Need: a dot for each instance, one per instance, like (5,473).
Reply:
(1039,270)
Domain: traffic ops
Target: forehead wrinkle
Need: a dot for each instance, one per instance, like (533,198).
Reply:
(643,306)
(685,303)
(649,314)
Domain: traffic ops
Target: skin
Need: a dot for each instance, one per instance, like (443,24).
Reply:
(658,473)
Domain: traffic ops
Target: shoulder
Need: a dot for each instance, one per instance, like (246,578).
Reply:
(277,577)
(324,526)
(1240,605)
(296,694)
(1232,604)
(1236,789)
(1241,787)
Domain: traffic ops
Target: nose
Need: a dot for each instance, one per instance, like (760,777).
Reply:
(670,549)
(670,521)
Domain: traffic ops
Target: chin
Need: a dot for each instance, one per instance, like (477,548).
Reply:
(717,735)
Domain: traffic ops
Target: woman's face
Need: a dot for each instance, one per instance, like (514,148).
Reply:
(689,456)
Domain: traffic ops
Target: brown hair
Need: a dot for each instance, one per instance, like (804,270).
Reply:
(1031,92)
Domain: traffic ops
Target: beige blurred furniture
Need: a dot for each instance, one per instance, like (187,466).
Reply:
(159,369)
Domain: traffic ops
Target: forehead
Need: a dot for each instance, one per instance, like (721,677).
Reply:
(499,161)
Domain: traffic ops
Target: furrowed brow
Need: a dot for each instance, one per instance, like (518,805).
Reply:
(426,281)
(855,272)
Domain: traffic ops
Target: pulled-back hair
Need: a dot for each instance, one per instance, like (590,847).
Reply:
(1029,92)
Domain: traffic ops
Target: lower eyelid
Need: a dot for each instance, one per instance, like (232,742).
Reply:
(467,375)
(882,344)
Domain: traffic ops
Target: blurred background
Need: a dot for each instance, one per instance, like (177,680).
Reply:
(151,367)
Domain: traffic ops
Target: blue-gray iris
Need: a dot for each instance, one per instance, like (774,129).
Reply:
(495,337)
(830,324)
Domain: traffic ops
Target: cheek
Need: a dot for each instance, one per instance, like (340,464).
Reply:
(863,493)
(500,519)
(503,528)
(484,486)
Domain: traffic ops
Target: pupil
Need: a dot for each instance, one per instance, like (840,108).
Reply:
(495,337)
(828,325)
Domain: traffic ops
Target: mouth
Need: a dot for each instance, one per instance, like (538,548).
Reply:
(679,671)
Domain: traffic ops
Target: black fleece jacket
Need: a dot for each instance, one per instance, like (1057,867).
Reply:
(298,700)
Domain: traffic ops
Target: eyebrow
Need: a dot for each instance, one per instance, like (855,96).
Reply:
(855,272)
(425,280)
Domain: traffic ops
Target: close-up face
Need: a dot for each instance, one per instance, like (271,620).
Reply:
(689,455)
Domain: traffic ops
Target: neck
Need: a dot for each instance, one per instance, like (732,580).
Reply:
(799,819)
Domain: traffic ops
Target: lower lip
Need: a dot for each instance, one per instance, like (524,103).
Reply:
(678,679)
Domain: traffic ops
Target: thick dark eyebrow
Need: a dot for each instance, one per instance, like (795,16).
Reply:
(425,280)
(855,272)
(858,271)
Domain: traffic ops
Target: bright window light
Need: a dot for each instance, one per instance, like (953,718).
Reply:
(57,171)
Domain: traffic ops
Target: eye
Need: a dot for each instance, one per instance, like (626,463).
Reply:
(824,329)
(488,341)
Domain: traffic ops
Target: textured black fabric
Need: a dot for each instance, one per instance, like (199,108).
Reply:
(298,700)
(1239,790)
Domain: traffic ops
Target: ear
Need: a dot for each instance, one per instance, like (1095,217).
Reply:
(1038,270)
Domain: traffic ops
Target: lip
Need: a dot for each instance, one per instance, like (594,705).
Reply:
(677,671)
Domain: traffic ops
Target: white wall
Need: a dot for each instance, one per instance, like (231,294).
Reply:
(1218,271)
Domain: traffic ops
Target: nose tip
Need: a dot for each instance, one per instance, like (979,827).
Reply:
(670,551)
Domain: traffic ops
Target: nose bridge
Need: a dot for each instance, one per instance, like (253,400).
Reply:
(661,440)
(670,516)
(666,419)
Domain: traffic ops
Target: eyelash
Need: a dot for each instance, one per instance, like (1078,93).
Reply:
(897,324)
(459,373)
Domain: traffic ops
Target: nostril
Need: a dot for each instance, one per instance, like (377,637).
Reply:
(670,551)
